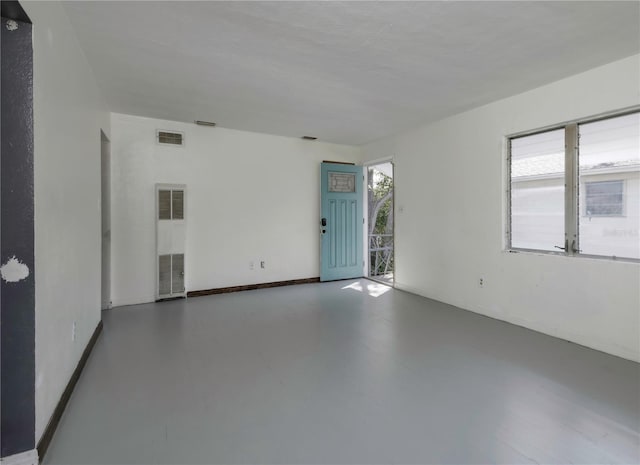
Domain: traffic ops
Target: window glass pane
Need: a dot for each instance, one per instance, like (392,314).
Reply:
(609,179)
(537,191)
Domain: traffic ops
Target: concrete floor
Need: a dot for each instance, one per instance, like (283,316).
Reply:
(343,372)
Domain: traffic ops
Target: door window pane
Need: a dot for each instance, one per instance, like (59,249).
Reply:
(609,182)
(537,191)
(342,182)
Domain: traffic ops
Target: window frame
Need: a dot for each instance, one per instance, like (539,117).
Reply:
(572,210)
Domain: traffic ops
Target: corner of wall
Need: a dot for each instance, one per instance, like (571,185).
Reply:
(68,107)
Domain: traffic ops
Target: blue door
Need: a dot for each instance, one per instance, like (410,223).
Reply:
(341,221)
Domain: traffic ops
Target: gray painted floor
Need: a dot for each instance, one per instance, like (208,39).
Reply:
(326,373)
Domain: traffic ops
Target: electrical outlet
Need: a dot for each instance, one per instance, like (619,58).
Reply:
(73,332)
(262,265)
(481,282)
(252,265)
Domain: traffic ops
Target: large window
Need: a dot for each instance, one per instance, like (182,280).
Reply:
(575,189)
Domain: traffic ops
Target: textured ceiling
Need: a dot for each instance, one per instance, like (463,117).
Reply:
(345,72)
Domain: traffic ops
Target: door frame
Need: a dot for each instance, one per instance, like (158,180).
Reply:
(105,198)
(365,211)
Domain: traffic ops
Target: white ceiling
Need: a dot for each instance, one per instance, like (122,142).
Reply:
(345,72)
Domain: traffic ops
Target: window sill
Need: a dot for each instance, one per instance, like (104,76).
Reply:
(578,255)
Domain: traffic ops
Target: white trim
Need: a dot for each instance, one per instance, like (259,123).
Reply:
(29,457)
(571,213)
(379,161)
(365,222)
(365,214)
(365,210)
(589,119)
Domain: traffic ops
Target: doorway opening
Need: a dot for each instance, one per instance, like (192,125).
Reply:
(380,226)
(105,163)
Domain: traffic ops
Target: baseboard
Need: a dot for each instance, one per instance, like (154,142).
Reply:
(250,287)
(167,299)
(132,301)
(45,440)
(29,457)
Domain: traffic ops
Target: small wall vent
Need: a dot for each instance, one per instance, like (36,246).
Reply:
(170,137)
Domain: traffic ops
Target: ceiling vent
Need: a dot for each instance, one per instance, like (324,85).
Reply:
(170,137)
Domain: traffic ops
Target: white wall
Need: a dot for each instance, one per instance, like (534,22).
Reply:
(250,197)
(450,197)
(68,115)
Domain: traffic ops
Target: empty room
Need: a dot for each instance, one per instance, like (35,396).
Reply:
(318,232)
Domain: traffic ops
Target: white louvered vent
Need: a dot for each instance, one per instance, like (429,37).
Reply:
(177,273)
(170,137)
(164,274)
(164,205)
(177,205)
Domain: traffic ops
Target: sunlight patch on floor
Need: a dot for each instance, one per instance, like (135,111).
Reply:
(373,289)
